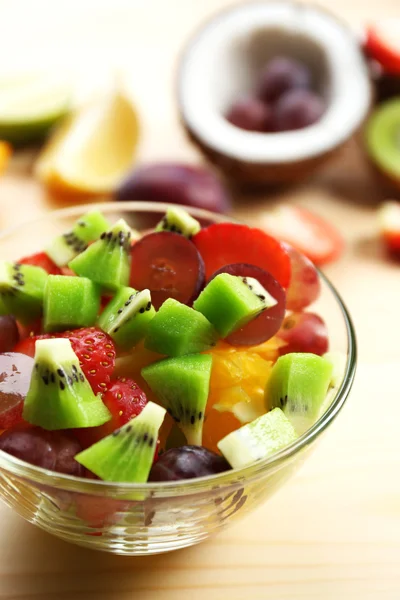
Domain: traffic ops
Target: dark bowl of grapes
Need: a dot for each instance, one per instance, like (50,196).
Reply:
(158,383)
(270,90)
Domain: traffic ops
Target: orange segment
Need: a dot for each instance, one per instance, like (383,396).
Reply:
(5,153)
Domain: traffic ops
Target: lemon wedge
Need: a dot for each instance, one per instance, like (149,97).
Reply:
(92,149)
(30,104)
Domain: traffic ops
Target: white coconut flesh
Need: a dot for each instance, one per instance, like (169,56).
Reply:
(222,62)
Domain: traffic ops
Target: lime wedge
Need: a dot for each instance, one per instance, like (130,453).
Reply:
(30,104)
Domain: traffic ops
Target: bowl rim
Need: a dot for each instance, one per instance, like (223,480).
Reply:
(70,483)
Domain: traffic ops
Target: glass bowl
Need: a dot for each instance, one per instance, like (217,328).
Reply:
(136,519)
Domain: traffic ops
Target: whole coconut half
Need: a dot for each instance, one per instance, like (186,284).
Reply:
(222,61)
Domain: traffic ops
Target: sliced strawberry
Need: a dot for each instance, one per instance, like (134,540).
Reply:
(389,225)
(382,43)
(27,331)
(94,348)
(27,345)
(96,352)
(307,232)
(222,244)
(125,400)
(42,260)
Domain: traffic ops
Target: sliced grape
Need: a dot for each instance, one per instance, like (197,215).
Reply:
(15,376)
(304,332)
(266,325)
(169,265)
(9,334)
(187,462)
(53,450)
(305,286)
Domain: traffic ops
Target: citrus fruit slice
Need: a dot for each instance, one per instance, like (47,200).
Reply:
(30,104)
(5,153)
(93,149)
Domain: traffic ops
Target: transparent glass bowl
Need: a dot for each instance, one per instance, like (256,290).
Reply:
(158,517)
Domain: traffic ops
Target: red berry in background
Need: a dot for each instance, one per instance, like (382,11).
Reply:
(223,244)
(389,226)
(42,260)
(382,44)
(307,232)
(250,114)
(304,332)
(297,109)
(125,400)
(280,75)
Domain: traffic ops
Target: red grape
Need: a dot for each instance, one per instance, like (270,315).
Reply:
(169,265)
(250,113)
(266,325)
(176,183)
(15,376)
(187,462)
(280,75)
(305,286)
(53,450)
(304,332)
(9,334)
(223,244)
(297,109)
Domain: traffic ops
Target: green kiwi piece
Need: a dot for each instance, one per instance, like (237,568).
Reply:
(229,302)
(178,220)
(70,302)
(126,318)
(71,243)
(22,290)
(177,330)
(182,385)
(128,453)
(3,309)
(259,439)
(381,138)
(298,384)
(59,396)
(107,261)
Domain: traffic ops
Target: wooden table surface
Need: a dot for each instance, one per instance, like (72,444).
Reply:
(334,530)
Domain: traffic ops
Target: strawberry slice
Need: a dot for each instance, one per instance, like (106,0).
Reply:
(307,232)
(382,43)
(389,225)
(42,260)
(223,244)
(94,348)
(125,400)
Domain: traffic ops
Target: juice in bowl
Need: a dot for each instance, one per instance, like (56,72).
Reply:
(157,385)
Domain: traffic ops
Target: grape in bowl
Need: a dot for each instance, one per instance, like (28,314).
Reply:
(132,518)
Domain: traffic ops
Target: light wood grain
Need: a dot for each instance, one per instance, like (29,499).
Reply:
(334,530)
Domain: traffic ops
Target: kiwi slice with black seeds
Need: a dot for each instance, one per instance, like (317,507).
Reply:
(128,453)
(127,316)
(177,329)
(22,290)
(71,243)
(178,220)
(259,439)
(229,302)
(298,384)
(107,261)
(182,385)
(59,396)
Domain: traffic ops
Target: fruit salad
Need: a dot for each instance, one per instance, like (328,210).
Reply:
(179,353)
